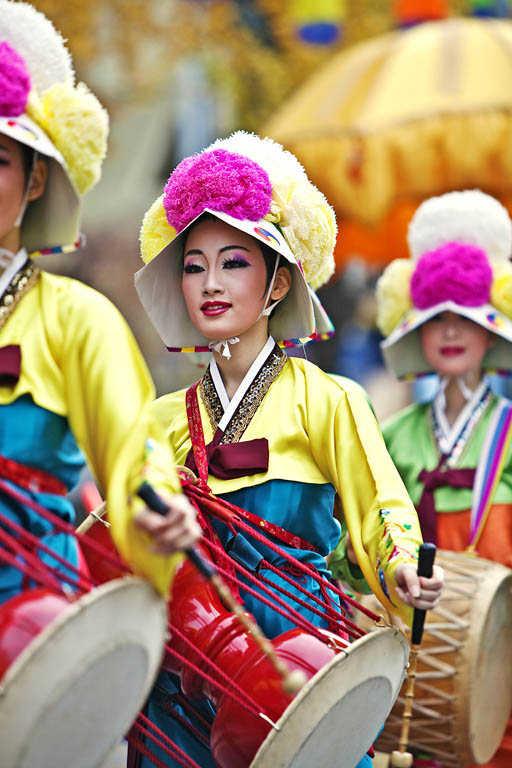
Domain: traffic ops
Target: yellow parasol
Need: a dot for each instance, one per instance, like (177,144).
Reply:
(401,117)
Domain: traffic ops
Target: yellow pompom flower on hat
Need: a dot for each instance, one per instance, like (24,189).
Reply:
(394,294)
(501,288)
(309,225)
(155,232)
(77,124)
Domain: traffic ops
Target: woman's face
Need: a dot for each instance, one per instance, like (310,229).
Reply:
(224,279)
(12,189)
(454,345)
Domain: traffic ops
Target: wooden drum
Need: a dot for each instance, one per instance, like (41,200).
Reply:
(463,689)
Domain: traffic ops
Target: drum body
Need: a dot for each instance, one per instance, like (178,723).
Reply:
(76,673)
(463,688)
(328,722)
(333,719)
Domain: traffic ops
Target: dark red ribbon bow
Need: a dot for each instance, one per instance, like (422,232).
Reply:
(10,365)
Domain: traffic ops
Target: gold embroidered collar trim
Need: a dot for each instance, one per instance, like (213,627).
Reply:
(20,284)
(251,401)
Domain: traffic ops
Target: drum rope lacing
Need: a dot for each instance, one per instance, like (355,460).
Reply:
(227,513)
(241,697)
(25,545)
(186,724)
(161,740)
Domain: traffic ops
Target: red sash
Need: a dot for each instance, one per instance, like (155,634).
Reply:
(30,478)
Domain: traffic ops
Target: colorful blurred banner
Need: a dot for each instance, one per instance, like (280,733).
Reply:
(401,117)
(318,22)
(409,12)
(499,9)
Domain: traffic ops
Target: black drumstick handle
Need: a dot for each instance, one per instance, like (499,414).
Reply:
(157,504)
(426,558)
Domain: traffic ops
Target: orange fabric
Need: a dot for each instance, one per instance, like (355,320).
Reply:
(495,544)
(503,757)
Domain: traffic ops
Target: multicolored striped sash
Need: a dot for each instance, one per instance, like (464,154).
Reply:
(489,469)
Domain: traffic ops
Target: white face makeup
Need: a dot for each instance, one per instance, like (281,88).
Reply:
(454,345)
(224,280)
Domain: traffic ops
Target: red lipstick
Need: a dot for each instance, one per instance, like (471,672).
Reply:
(452,351)
(214,308)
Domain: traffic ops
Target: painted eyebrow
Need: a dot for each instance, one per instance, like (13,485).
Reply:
(198,251)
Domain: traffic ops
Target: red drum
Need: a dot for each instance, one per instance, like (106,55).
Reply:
(329,722)
(74,673)
(316,722)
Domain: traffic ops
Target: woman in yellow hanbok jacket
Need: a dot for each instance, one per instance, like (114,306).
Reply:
(230,249)
(73,384)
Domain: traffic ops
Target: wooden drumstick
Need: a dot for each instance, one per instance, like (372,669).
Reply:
(93,517)
(292,679)
(400,758)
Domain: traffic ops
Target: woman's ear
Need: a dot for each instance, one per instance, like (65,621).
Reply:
(282,284)
(38,179)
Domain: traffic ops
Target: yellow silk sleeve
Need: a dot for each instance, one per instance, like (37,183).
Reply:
(80,360)
(109,393)
(380,517)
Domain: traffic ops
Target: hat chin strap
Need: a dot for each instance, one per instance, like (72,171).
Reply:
(466,392)
(25,201)
(222,345)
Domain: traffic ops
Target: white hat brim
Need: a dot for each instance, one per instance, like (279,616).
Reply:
(53,220)
(158,285)
(403,353)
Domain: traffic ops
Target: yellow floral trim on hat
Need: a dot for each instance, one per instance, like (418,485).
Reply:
(501,288)
(394,294)
(155,232)
(78,125)
(308,223)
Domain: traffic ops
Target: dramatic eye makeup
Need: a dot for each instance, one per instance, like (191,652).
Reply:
(235,261)
(191,268)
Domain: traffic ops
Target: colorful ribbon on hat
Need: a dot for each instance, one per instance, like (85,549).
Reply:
(489,469)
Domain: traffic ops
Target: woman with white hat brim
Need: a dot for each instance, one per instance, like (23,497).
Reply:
(210,282)
(60,369)
(448,310)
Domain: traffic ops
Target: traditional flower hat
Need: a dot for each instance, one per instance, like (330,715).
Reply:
(460,245)
(254,185)
(41,107)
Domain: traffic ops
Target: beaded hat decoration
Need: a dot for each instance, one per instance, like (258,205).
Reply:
(460,245)
(255,186)
(42,108)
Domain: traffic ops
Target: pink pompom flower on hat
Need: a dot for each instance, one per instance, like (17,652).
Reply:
(221,181)
(14,82)
(453,272)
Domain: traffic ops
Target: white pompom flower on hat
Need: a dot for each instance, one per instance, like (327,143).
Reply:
(298,208)
(470,217)
(37,41)
(69,114)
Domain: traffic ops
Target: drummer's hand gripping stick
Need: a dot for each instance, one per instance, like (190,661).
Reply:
(293,679)
(400,758)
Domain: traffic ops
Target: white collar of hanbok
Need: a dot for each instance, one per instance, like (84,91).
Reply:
(449,435)
(229,406)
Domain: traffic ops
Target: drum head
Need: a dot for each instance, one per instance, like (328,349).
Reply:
(337,715)
(489,664)
(73,692)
